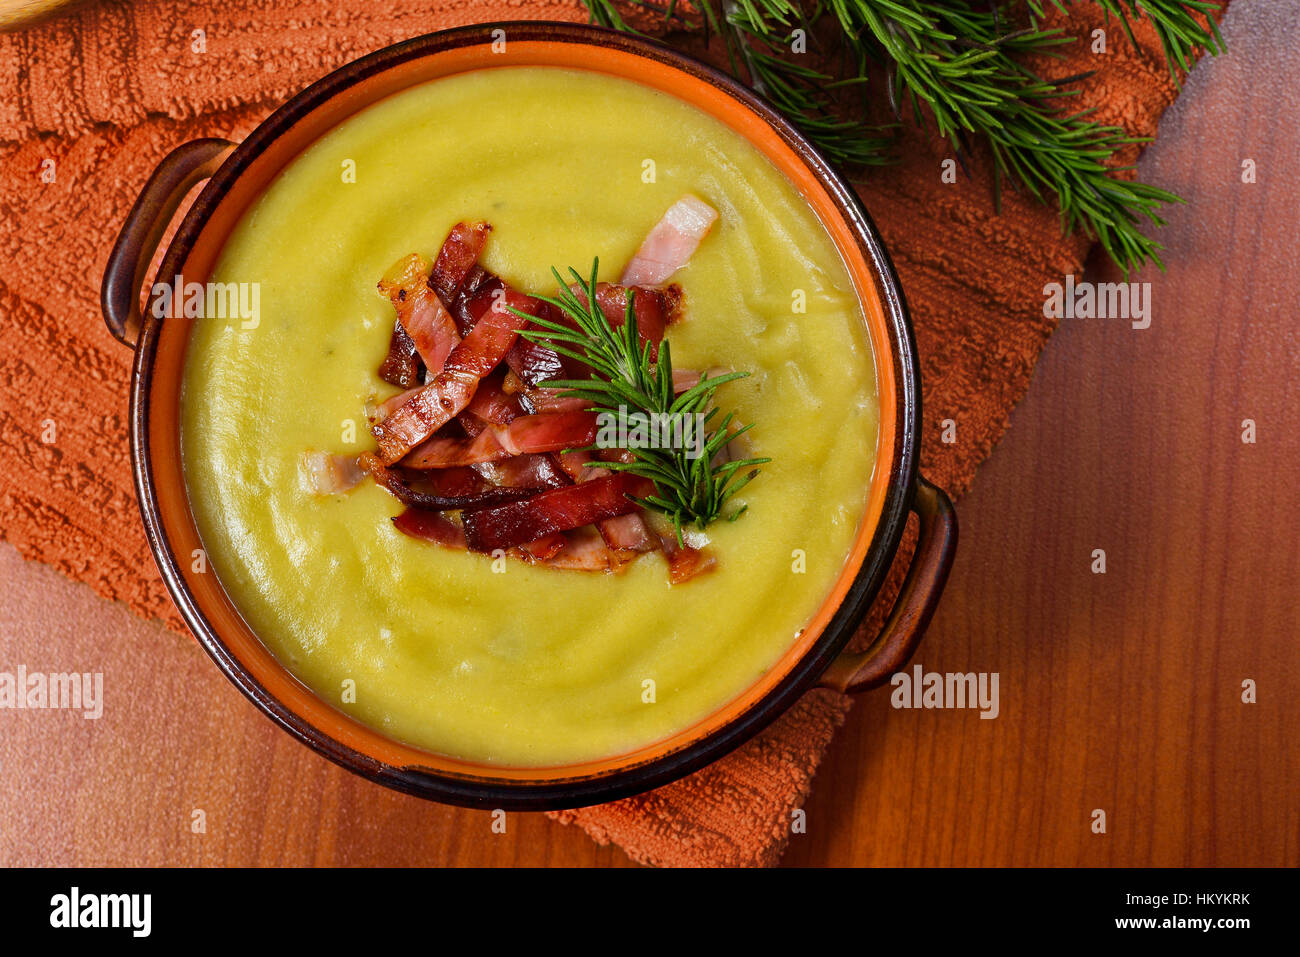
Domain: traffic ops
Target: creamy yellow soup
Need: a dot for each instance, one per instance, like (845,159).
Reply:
(531,665)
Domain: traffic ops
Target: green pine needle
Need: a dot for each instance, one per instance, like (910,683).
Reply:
(958,65)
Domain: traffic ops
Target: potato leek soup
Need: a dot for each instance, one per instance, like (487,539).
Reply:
(428,535)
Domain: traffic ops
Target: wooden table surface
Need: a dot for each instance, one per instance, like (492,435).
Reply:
(1119,691)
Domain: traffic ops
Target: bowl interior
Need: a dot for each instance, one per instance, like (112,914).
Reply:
(219,209)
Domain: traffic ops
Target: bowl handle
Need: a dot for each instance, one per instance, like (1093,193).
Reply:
(119,295)
(931,561)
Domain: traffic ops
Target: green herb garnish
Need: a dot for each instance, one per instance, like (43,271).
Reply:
(690,487)
(959,65)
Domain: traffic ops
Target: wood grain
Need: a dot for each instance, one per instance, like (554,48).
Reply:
(1122,691)
(1118,691)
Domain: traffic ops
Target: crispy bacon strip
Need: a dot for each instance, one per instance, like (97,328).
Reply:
(377,413)
(529,361)
(579,465)
(442,489)
(584,550)
(492,336)
(532,362)
(453,388)
(524,471)
(421,313)
(625,535)
(542,401)
(686,379)
(445,530)
(628,534)
(684,561)
(655,309)
(491,404)
(431,329)
(402,366)
(331,474)
(458,255)
(671,243)
(477,294)
(557,510)
(687,562)
(549,432)
(437,527)
(543,549)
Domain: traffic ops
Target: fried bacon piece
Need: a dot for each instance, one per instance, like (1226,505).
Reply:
(427,323)
(446,531)
(532,362)
(476,296)
(543,549)
(328,474)
(580,465)
(684,561)
(442,489)
(655,309)
(425,332)
(686,379)
(491,405)
(402,366)
(556,510)
(542,401)
(671,243)
(583,550)
(452,388)
(458,255)
(549,432)
(529,361)
(524,471)
(625,535)
(431,329)
(377,412)
(437,527)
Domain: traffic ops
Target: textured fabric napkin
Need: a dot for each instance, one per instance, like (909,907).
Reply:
(95,98)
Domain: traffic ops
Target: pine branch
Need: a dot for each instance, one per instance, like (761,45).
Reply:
(958,67)
(961,66)
(762,32)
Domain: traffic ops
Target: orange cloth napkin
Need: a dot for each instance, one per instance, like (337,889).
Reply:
(94,98)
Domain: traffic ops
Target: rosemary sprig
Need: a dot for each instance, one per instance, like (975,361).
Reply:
(959,64)
(977,87)
(689,488)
